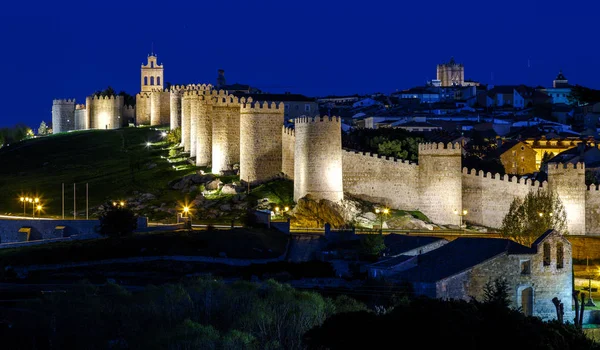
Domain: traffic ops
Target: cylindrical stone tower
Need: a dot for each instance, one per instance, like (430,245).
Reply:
(194,115)
(81,120)
(185,120)
(63,115)
(568,181)
(204,131)
(226,132)
(318,158)
(175,116)
(155,108)
(260,140)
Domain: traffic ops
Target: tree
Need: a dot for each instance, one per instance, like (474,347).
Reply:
(528,218)
(496,292)
(372,244)
(43,129)
(581,95)
(117,220)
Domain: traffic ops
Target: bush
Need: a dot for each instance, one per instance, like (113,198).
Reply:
(117,221)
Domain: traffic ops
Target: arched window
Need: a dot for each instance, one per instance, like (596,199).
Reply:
(157,80)
(151,80)
(152,64)
(559,256)
(546,254)
(145,80)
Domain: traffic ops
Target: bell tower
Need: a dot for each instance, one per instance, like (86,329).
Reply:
(152,75)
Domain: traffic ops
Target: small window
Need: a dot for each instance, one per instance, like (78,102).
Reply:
(559,256)
(151,80)
(145,80)
(522,148)
(287,107)
(307,108)
(152,64)
(157,80)
(546,254)
(525,267)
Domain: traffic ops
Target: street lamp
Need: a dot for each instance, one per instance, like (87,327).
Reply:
(590,301)
(186,211)
(23,200)
(39,209)
(460,215)
(381,213)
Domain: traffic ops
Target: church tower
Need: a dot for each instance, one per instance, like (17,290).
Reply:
(152,75)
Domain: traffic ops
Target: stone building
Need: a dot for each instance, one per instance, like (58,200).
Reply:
(518,158)
(451,73)
(461,269)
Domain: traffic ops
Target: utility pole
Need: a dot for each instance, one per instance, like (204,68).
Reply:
(74,203)
(86,202)
(63,200)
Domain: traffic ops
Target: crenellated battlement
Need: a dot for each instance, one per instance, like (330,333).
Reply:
(289,131)
(106,98)
(566,166)
(68,101)
(222,99)
(79,106)
(439,148)
(378,156)
(129,107)
(249,106)
(316,119)
(497,177)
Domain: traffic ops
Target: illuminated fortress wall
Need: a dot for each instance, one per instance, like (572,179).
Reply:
(568,180)
(63,115)
(381,179)
(225,132)
(81,119)
(288,142)
(318,158)
(142,108)
(260,140)
(487,197)
(104,112)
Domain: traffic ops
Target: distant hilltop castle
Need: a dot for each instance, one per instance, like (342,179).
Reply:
(220,129)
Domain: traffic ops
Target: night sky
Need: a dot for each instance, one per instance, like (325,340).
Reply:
(70,50)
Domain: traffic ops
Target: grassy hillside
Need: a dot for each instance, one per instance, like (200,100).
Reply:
(113,162)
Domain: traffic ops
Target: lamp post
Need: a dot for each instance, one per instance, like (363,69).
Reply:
(464,212)
(590,301)
(23,201)
(381,213)
(187,221)
(39,209)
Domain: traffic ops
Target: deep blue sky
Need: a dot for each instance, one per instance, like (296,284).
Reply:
(69,50)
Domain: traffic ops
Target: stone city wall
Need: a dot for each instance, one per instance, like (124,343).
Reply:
(63,115)
(260,140)
(81,119)
(318,158)
(592,210)
(204,131)
(568,181)
(387,180)
(142,108)
(225,132)
(487,197)
(104,112)
(440,182)
(288,141)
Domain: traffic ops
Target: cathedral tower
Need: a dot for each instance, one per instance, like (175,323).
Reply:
(152,78)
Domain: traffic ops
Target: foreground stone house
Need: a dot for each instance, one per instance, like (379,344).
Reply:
(460,270)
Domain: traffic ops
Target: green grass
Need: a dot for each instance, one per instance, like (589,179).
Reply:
(236,243)
(280,192)
(113,163)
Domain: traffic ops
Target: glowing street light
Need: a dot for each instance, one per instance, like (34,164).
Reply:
(461,214)
(23,201)
(163,134)
(148,144)
(381,213)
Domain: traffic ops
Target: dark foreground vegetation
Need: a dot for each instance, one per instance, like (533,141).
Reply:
(208,313)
